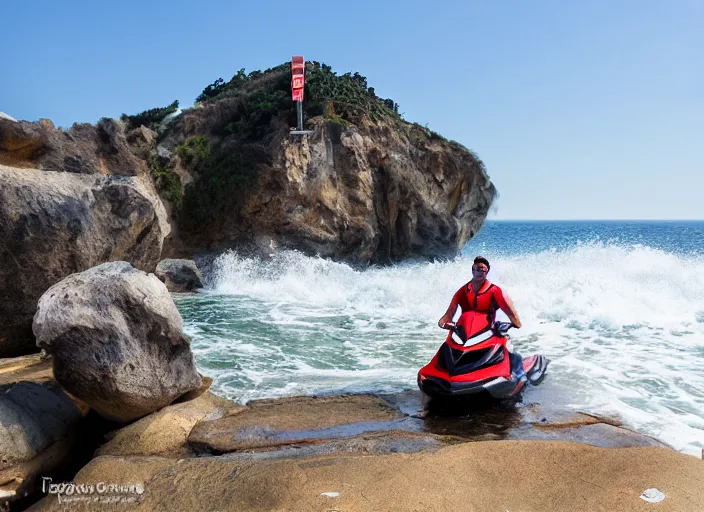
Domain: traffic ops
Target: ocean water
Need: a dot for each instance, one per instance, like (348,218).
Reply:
(618,308)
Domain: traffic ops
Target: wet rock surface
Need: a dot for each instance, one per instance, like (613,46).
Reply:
(338,423)
(268,423)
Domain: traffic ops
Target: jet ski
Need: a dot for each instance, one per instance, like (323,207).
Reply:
(477,357)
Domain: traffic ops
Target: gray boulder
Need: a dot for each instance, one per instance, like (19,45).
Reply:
(179,275)
(38,429)
(32,416)
(53,224)
(117,341)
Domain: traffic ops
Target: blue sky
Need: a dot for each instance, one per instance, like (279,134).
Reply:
(578,109)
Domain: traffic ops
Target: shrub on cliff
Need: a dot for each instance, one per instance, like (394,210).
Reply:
(195,147)
(149,118)
(167,181)
(212,90)
(252,117)
(225,176)
(345,97)
(239,82)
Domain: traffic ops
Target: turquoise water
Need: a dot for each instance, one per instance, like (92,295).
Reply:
(511,238)
(618,307)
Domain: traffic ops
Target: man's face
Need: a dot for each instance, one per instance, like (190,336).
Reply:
(479,271)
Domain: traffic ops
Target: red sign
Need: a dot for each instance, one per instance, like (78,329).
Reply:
(298,66)
(297,62)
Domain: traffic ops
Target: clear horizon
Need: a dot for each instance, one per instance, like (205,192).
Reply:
(489,219)
(579,112)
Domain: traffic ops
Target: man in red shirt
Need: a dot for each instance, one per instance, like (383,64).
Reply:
(480,295)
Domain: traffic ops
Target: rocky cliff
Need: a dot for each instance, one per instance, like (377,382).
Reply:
(360,193)
(363,186)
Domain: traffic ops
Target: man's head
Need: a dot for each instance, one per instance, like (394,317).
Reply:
(480,268)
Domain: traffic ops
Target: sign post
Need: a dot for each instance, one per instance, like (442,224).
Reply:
(298,82)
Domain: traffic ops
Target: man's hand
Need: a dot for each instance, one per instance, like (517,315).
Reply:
(449,325)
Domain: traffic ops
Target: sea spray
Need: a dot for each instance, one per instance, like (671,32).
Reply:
(621,323)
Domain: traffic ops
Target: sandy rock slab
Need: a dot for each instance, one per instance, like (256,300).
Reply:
(32,368)
(543,476)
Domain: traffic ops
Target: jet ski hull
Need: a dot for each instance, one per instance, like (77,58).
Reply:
(485,367)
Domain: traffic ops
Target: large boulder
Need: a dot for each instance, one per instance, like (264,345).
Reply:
(179,275)
(117,341)
(53,224)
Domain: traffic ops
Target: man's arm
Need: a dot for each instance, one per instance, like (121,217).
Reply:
(447,317)
(506,305)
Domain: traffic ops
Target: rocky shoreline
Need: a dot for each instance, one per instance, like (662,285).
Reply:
(348,452)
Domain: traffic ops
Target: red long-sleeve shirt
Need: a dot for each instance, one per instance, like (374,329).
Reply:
(488,300)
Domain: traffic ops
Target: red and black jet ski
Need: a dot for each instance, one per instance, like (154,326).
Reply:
(477,357)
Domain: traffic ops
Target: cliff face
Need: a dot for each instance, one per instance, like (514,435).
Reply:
(367,193)
(84,149)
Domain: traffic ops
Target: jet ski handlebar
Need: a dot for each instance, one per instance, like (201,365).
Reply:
(503,327)
(499,327)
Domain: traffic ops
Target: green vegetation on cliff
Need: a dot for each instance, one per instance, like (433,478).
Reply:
(224,177)
(195,147)
(167,181)
(344,98)
(149,118)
